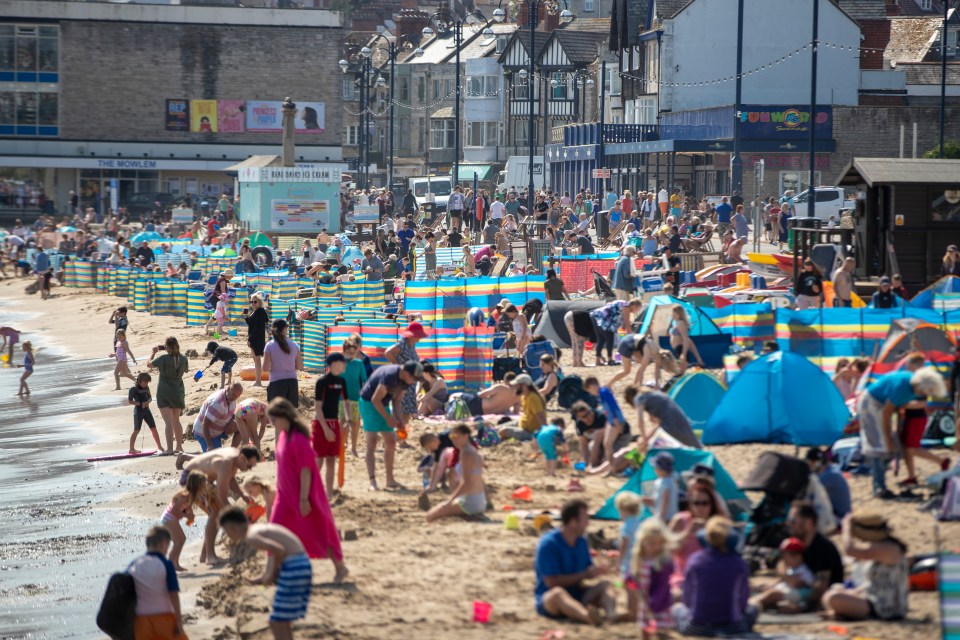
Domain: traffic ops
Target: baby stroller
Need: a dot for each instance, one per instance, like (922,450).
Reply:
(782,479)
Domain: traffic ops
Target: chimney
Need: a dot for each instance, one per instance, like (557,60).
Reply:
(523,15)
(289,147)
(893,7)
(551,22)
(411,22)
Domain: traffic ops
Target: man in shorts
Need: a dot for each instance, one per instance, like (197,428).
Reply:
(563,566)
(221,467)
(216,419)
(384,388)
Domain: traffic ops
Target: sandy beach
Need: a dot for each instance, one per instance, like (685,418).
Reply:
(407,579)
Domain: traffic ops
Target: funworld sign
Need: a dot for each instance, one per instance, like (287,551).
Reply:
(783,122)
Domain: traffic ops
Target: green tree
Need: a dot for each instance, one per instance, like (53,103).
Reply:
(951,150)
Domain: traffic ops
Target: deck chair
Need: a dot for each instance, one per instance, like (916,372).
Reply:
(612,239)
(704,244)
(948,576)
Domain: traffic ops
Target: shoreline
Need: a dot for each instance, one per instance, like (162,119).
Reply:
(406,577)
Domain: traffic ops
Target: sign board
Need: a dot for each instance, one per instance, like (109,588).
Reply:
(784,122)
(601,173)
(266,116)
(300,173)
(898,220)
(366,214)
(182,215)
(299,215)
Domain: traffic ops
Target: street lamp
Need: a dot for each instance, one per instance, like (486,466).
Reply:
(355,55)
(582,79)
(393,48)
(552,7)
(444,21)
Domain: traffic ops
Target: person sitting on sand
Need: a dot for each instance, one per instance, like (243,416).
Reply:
(221,467)
(469,498)
(563,566)
(287,566)
(445,456)
(533,413)
(795,582)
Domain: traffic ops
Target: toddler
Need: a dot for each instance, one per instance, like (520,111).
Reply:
(628,504)
(181,505)
(652,568)
(28,361)
(255,487)
(549,437)
(139,396)
(796,579)
(222,313)
(664,503)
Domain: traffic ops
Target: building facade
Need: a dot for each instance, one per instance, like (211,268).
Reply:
(110,100)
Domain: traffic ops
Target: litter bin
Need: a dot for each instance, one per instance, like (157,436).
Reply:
(541,249)
(603,226)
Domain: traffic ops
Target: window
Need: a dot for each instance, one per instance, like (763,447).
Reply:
(402,131)
(501,44)
(483,134)
(29,80)
(926,5)
(421,134)
(442,133)
(404,89)
(487,86)
(349,89)
(646,111)
(564,86)
(588,5)
(520,137)
(351,135)
(613,83)
(442,88)
(421,89)
(521,87)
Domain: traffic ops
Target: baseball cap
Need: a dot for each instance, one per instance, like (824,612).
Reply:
(523,378)
(414,368)
(884,280)
(663,461)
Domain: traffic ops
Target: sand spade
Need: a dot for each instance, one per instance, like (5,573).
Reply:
(482,611)
(199,374)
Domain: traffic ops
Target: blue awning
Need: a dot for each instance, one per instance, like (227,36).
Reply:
(717,146)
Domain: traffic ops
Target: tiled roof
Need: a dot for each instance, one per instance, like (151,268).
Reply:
(581,47)
(912,8)
(910,39)
(668,8)
(591,25)
(928,73)
(901,171)
(865,9)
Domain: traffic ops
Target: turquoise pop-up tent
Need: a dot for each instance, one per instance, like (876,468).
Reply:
(697,393)
(779,398)
(684,460)
(711,342)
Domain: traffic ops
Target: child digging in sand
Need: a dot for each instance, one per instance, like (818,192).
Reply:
(287,566)
(181,506)
(28,362)
(258,488)
(139,396)
(549,437)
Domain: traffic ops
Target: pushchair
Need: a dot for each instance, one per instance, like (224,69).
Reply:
(782,479)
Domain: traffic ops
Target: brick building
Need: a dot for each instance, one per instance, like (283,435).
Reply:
(158,98)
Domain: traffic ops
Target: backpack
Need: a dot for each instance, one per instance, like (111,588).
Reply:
(570,390)
(457,409)
(118,608)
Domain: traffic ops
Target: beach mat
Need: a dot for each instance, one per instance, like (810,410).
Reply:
(120,456)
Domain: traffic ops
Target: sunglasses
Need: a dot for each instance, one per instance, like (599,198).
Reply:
(254,302)
(700,503)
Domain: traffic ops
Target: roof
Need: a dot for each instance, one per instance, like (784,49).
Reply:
(482,45)
(522,36)
(900,171)
(928,73)
(864,9)
(910,39)
(912,8)
(591,25)
(581,47)
(441,113)
(664,9)
(254,162)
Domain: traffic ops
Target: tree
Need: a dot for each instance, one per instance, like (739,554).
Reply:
(951,150)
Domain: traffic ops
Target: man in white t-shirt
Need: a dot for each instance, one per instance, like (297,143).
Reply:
(497,210)
(157,588)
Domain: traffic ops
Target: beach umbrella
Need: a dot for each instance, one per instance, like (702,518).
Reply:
(224,253)
(146,236)
(67,229)
(258,239)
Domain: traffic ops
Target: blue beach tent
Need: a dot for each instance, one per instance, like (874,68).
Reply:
(711,342)
(684,460)
(697,393)
(779,398)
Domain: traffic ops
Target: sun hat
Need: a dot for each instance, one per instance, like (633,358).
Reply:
(792,545)
(227,273)
(663,461)
(870,526)
(414,330)
(523,378)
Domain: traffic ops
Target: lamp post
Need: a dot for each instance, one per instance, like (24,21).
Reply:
(444,21)
(392,49)
(353,56)
(582,80)
(943,73)
(533,9)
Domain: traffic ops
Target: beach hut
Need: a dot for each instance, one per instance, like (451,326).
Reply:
(779,398)
(697,393)
(685,460)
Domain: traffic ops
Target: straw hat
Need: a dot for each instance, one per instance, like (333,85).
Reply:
(227,273)
(870,527)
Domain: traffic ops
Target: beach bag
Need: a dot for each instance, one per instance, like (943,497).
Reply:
(570,390)
(118,608)
(457,409)
(210,298)
(951,500)
(488,436)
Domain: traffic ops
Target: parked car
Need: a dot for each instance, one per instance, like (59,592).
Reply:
(149,201)
(830,201)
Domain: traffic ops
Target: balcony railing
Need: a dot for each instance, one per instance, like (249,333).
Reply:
(584,134)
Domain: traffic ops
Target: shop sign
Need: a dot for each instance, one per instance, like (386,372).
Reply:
(783,122)
(299,215)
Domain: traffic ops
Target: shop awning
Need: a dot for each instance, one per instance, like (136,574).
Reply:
(483,172)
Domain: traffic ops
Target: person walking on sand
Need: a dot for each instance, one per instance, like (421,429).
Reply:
(257,321)
(28,362)
(469,498)
(220,466)
(139,396)
(171,367)
(119,321)
(282,360)
(122,350)
(157,613)
(301,504)
(385,387)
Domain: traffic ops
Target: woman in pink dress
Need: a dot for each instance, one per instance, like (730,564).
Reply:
(301,503)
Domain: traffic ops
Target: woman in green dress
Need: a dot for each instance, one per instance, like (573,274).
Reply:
(171,366)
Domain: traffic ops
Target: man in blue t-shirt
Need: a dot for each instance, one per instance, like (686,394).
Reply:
(724,211)
(405,235)
(562,564)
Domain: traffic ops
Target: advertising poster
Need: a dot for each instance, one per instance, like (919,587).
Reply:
(203,116)
(784,122)
(266,116)
(178,115)
(299,215)
(230,115)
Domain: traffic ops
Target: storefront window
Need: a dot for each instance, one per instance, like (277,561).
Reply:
(22,189)
(7,47)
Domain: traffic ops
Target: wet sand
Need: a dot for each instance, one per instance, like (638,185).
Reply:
(407,579)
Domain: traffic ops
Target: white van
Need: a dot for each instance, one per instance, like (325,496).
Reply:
(516,174)
(433,189)
(830,201)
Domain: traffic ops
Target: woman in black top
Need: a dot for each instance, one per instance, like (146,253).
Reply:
(809,286)
(257,333)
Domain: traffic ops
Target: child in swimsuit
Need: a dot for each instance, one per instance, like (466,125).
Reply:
(139,396)
(548,438)
(28,362)
(257,488)
(222,313)
(181,505)
(122,350)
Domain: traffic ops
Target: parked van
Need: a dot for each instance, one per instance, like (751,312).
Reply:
(516,174)
(830,201)
(432,189)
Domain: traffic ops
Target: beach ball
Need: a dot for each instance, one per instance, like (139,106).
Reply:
(475,317)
